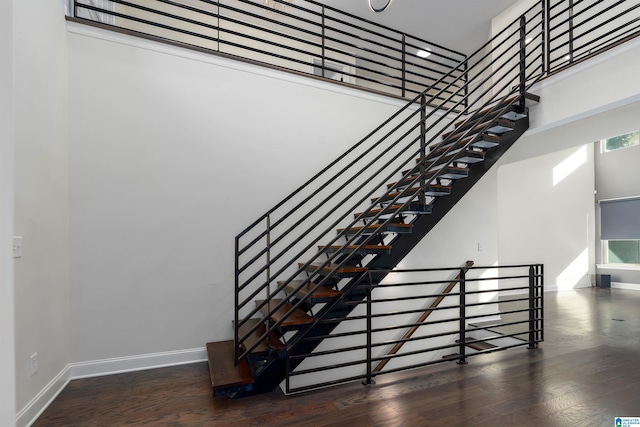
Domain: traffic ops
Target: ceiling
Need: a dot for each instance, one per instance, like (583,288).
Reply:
(462,25)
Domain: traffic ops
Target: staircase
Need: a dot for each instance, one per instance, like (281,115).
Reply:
(462,157)
(300,267)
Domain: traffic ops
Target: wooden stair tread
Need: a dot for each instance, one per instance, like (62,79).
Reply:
(222,369)
(345,269)
(295,319)
(378,226)
(274,343)
(364,248)
(321,293)
(411,207)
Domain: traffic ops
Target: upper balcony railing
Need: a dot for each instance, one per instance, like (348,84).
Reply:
(580,29)
(304,36)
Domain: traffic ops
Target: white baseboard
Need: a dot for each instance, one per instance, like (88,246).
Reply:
(631,286)
(98,368)
(118,365)
(42,400)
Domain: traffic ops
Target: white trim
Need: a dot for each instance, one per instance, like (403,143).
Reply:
(619,199)
(629,267)
(97,368)
(32,410)
(119,365)
(630,286)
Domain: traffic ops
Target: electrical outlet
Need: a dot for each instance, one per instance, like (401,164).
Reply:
(17,246)
(33,367)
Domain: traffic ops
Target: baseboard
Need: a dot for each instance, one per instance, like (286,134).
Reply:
(118,365)
(98,368)
(630,286)
(42,400)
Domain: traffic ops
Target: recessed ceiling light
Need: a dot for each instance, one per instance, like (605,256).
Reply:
(529,40)
(423,53)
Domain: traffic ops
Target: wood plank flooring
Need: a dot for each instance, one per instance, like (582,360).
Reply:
(584,374)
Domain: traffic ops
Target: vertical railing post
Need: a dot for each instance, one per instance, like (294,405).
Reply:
(287,363)
(267,318)
(404,65)
(545,37)
(465,70)
(541,283)
(236,335)
(532,308)
(462,349)
(423,148)
(523,65)
(570,31)
(369,380)
(323,41)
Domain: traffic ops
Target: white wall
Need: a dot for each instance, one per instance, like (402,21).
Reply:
(41,194)
(172,153)
(7,336)
(546,215)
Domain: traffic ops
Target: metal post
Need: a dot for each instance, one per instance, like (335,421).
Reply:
(545,37)
(570,31)
(369,380)
(267,318)
(465,69)
(323,42)
(523,65)
(462,359)
(288,370)
(532,300)
(404,65)
(236,335)
(423,148)
(541,278)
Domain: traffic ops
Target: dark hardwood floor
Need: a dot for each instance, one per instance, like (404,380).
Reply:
(584,374)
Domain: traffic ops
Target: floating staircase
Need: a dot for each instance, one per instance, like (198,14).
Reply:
(391,227)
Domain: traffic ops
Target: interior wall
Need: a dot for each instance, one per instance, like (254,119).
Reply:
(41,194)
(171,156)
(546,215)
(617,176)
(7,336)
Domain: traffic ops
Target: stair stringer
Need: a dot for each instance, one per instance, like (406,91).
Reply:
(275,371)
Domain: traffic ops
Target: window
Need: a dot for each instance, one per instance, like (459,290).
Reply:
(622,251)
(620,230)
(621,141)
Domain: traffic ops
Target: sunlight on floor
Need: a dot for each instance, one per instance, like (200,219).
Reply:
(569,165)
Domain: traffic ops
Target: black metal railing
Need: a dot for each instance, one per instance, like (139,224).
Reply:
(304,36)
(280,246)
(579,29)
(488,309)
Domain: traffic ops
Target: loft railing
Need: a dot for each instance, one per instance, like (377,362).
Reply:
(489,309)
(280,246)
(304,36)
(580,29)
